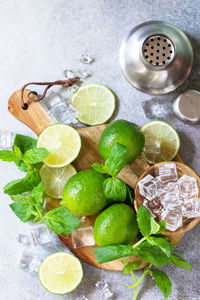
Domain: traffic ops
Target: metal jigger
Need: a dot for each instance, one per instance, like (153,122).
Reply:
(187,107)
(156,57)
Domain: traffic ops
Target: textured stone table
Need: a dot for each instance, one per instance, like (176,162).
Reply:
(39,39)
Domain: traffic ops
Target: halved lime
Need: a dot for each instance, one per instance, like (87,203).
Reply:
(63,142)
(60,273)
(170,141)
(54,179)
(95,104)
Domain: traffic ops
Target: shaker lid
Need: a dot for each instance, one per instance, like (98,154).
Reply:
(156,57)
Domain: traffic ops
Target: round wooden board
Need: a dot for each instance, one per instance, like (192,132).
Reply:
(37,118)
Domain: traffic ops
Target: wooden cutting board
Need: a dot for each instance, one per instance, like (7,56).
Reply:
(37,118)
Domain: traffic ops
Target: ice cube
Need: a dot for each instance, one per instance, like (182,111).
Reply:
(148,187)
(69,74)
(168,172)
(107,294)
(102,284)
(61,114)
(83,74)
(71,109)
(6,139)
(154,108)
(173,218)
(169,195)
(42,235)
(191,208)
(83,237)
(51,101)
(86,59)
(82,297)
(154,206)
(188,186)
(152,144)
(30,262)
(71,90)
(24,239)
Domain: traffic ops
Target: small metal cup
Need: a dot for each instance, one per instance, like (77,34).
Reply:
(187,107)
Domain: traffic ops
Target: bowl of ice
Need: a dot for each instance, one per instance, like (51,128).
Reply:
(171,192)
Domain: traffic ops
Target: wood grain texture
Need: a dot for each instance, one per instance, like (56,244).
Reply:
(188,224)
(37,119)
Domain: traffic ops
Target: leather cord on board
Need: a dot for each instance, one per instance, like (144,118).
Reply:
(63,83)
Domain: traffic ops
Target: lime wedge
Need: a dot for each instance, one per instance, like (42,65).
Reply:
(169,141)
(63,142)
(60,273)
(54,179)
(95,104)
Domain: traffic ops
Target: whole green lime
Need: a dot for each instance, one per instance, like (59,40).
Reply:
(125,133)
(83,193)
(115,225)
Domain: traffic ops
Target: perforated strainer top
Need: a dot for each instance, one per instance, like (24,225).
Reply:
(158,50)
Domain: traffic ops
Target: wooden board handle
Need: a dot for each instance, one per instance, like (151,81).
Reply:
(35,117)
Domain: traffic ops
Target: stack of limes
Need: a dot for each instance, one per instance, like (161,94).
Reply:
(64,143)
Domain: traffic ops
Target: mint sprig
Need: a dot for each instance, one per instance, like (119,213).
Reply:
(28,192)
(30,207)
(115,161)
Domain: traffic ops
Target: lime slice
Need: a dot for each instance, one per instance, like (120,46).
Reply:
(63,142)
(54,179)
(60,273)
(169,139)
(95,104)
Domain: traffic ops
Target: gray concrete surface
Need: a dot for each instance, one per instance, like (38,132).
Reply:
(38,40)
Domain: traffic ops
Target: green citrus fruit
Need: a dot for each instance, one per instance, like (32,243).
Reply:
(115,225)
(169,138)
(124,133)
(83,193)
(54,179)
(63,142)
(60,273)
(95,104)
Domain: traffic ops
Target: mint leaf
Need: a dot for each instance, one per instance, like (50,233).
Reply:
(180,262)
(21,165)
(152,254)
(24,142)
(131,266)
(129,195)
(7,155)
(61,221)
(36,155)
(23,185)
(162,224)
(109,253)
(162,281)
(146,222)
(114,190)
(116,159)
(162,243)
(23,199)
(38,192)
(24,212)
(100,168)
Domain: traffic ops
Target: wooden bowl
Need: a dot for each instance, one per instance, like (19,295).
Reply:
(188,224)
